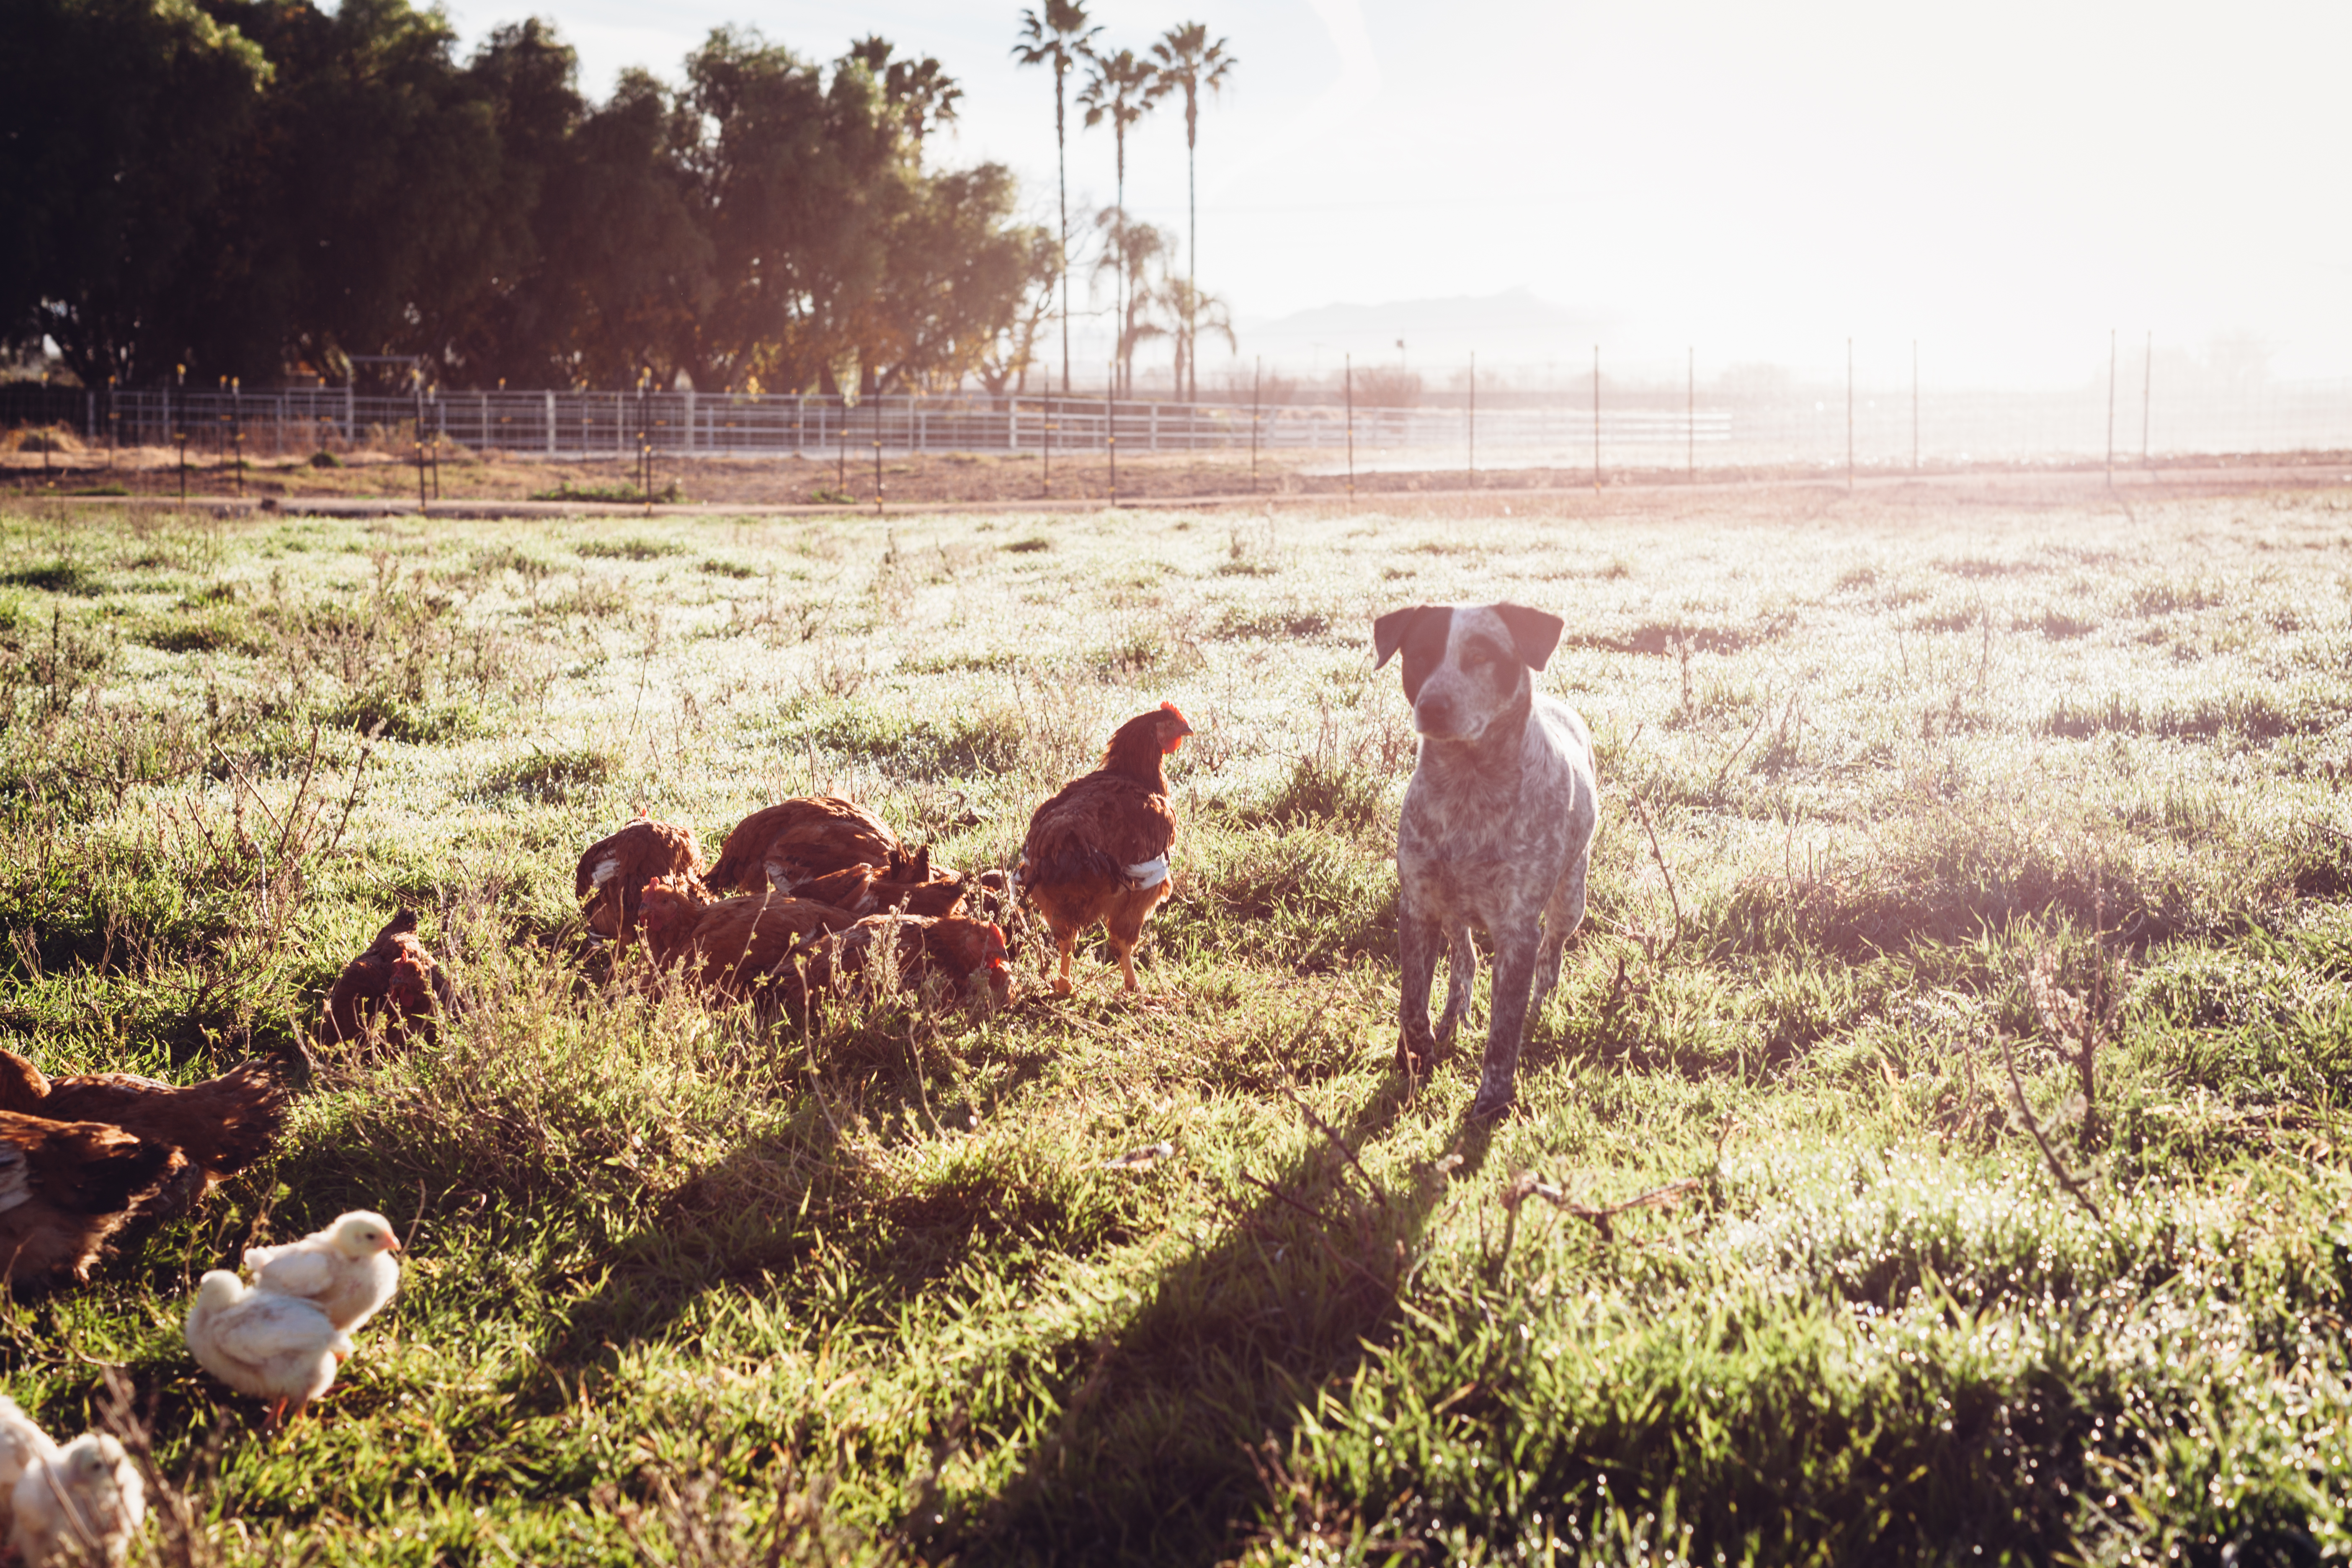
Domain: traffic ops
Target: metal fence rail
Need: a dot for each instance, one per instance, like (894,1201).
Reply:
(1880,428)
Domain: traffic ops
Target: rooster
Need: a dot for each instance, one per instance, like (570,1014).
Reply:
(223,1124)
(393,981)
(1098,851)
(794,841)
(66,1186)
(615,868)
(968,955)
(737,945)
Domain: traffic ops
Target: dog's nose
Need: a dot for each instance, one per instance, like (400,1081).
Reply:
(1433,716)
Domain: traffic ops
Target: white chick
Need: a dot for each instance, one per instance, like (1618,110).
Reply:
(274,1347)
(23,1446)
(87,1501)
(346,1271)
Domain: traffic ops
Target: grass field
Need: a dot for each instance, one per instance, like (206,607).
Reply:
(1938,794)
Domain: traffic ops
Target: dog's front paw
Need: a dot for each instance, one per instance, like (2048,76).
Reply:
(1418,1059)
(1491,1103)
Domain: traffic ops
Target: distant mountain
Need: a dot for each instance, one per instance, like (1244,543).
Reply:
(1514,328)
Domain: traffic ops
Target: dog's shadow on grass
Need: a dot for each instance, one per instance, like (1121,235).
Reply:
(1159,1450)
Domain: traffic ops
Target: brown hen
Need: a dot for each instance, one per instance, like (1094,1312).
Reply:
(366,989)
(223,1124)
(794,841)
(862,890)
(66,1186)
(968,954)
(736,947)
(615,870)
(1098,851)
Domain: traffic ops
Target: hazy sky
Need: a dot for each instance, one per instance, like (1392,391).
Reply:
(2004,181)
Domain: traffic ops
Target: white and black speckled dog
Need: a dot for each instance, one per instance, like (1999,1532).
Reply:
(1497,824)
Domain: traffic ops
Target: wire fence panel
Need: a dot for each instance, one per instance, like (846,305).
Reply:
(1634,427)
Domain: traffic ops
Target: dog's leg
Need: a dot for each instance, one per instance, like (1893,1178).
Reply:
(1418,942)
(1562,918)
(1461,973)
(1514,966)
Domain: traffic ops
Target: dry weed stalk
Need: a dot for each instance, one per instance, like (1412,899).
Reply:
(1527,1185)
(2081,1025)
(1642,810)
(2058,1170)
(704,1525)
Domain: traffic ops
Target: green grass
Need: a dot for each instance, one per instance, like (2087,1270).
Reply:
(701,1288)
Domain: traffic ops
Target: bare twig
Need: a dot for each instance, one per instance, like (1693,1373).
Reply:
(1528,1184)
(294,811)
(1724,772)
(1641,810)
(2066,1177)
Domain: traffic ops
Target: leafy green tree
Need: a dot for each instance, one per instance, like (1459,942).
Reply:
(1191,64)
(119,120)
(371,205)
(1194,311)
(1120,90)
(922,96)
(1003,365)
(799,179)
(959,270)
(1059,36)
(628,266)
(1136,255)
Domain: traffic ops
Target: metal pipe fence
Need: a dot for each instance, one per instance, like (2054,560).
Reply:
(1632,427)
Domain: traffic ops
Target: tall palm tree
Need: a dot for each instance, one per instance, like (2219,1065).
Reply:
(1060,38)
(1121,89)
(1189,63)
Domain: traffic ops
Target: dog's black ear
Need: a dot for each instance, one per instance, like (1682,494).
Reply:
(1535,631)
(1387,632)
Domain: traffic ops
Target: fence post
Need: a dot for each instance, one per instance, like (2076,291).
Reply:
(2111,408)
(1849,414)
(1348,364)
(2147,392)
(1474,419)
(1596,416)
(1915,406)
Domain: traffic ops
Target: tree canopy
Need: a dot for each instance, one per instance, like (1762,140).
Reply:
(249,187)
